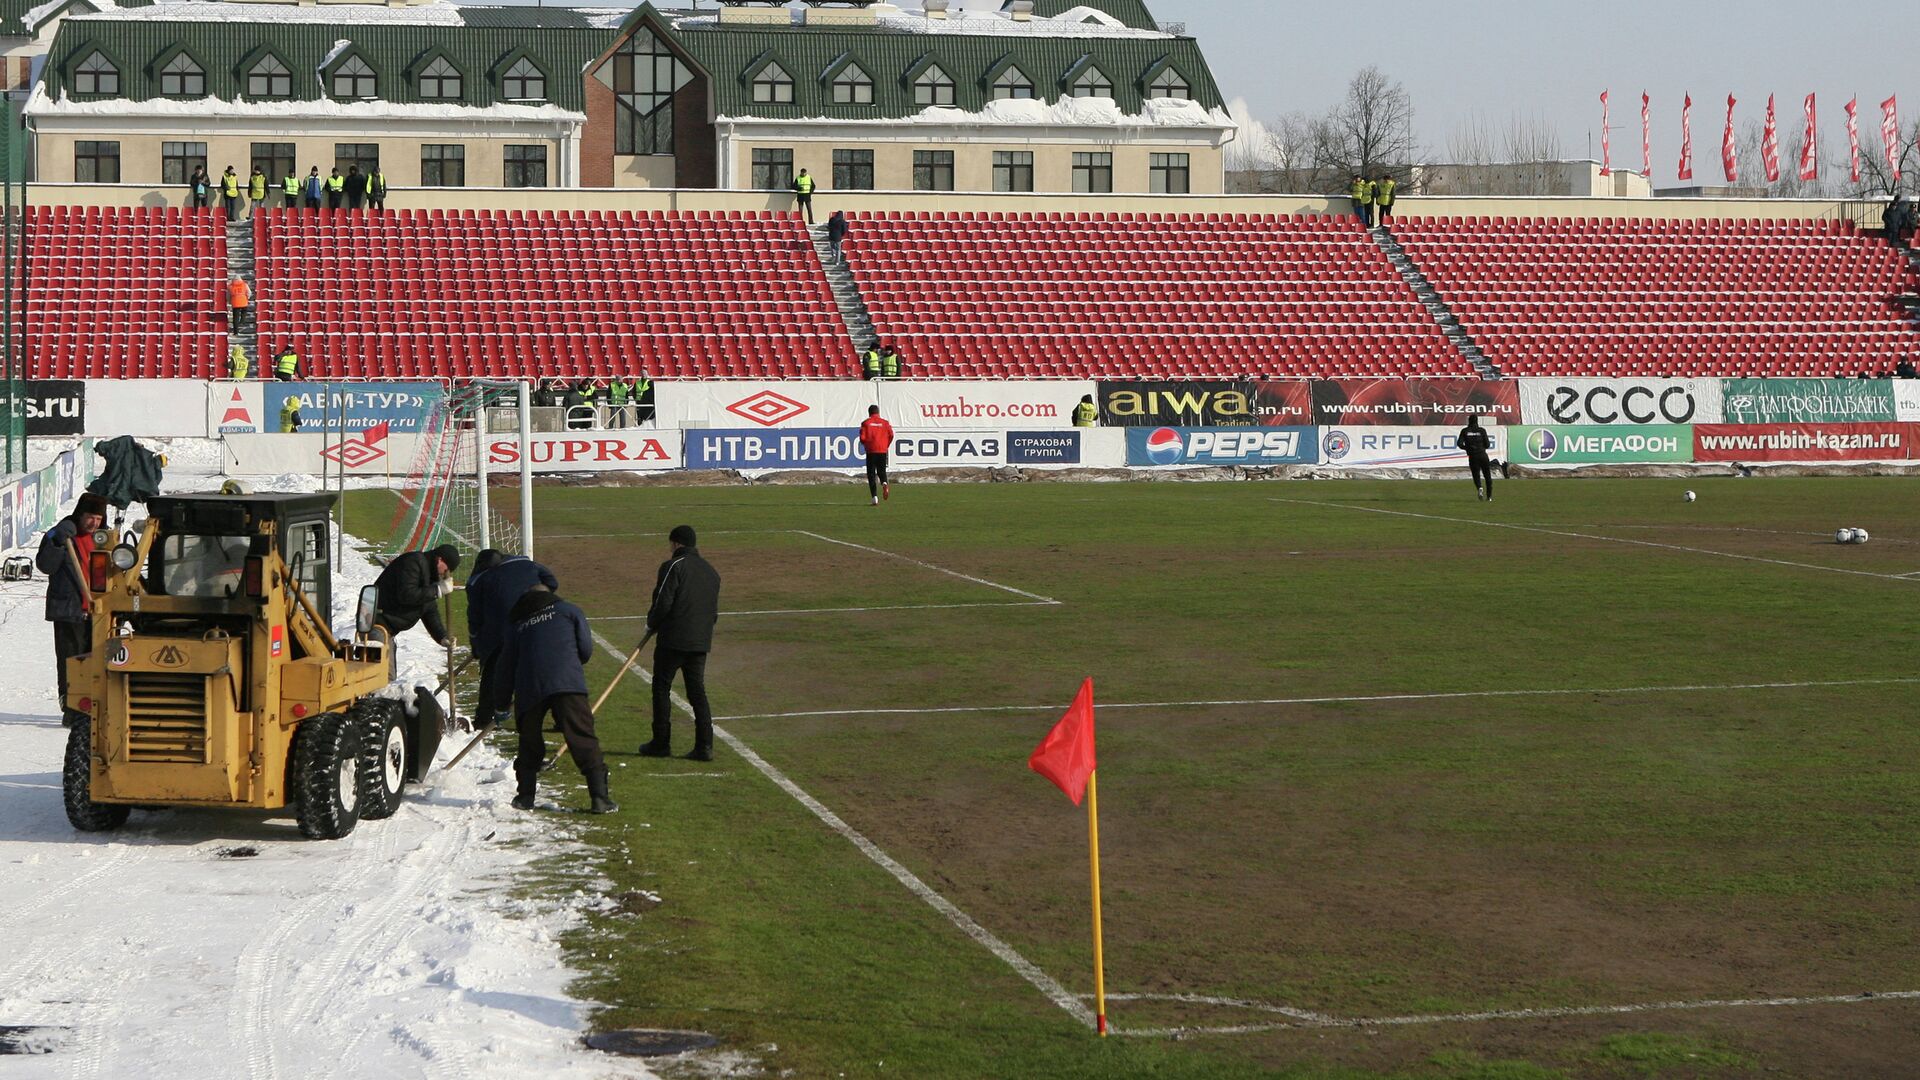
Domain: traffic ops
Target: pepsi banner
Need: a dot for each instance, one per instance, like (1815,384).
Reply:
(787,448)
(1415,402)
(1400,447)
(1213,446)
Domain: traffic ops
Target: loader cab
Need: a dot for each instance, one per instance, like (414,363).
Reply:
(205,540)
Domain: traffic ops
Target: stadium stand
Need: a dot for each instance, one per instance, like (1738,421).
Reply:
(1157,296)
(569,293)
(125,292)
(1638,297)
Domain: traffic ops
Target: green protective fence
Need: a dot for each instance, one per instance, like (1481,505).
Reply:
(13,316)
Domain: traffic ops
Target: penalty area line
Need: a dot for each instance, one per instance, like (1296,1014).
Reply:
(1025,968)
(929,566)
(854,610)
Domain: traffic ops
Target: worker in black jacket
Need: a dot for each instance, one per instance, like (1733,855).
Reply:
(686,604)
(546,651)
(69,602)
(1477,443)
(498,582)
(410,589)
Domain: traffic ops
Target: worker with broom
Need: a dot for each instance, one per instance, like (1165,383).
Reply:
(545,655)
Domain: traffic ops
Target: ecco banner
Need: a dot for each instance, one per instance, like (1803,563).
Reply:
(1043,447)
(1592,445)
(1551,402)
(1222,446)
(948,448)
(980,405)
(763,405)
(1809,401)
(587,451)
(1404,402)
(357,406)
(788,448)
(1400,447)
(56,406)
(1803,442)
(1906,400)
(1217,403)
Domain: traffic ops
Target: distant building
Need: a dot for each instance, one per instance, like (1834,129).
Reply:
(1042,95)
(1578,179)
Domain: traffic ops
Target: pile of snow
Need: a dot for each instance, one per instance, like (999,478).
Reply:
(438,13)
(1033,112)
(40,103)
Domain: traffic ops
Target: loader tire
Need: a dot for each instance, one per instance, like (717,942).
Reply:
(383,756)
(326,776)
(76,783)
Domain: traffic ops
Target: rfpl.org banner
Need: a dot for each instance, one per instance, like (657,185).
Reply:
(1429,447)
(1804,442)
(1415,402)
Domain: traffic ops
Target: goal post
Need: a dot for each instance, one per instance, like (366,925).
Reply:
(445,498)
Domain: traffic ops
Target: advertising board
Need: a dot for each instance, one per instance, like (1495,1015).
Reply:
(1190,403)
(56,407)
(590,452)
(980,405)
(1803,442)
(1043,447)
(1809,401)
(948,448)
(1189,447)
(1400,447)
(792,448)
(1414,402)
(331,407)
(760,406)
(1600,445)
(1564,402)
(1906,400)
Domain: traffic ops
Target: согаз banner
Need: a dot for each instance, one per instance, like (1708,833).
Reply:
(1803,442)
(1222,446)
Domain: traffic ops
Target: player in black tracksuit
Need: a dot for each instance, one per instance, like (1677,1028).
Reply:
(686,604)
(1478,443)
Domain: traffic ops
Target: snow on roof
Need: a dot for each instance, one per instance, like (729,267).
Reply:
(37,15)
(438,13)
(1032,112)
(41,105)
(974,23)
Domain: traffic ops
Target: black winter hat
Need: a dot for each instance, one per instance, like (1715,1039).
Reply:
(91,503)
(448,554)
(484,562)
(683,535)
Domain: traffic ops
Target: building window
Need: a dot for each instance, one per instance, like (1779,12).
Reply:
(525,166)
(348,154)
(182,78)
(1013,170)
(645,76)
(269,79)
(853,170)
(1092,83)
(440,80)
(96,162)
(933,170)
(1012,84)
(1169,84)
(443,165)
(772,170)
(353,79)
(773,86)
(933,87)
(1093,174)
(96,75)
(524,82)
(179,159)
(1169,174)
(275,159)
(852,87)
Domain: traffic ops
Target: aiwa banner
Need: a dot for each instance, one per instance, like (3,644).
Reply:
(1650,444)
(1810,401)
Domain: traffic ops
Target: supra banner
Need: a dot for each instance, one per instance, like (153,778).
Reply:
(1551,402)
(1400,447)
(1593,445)
(587,451)
(762,405)
(979,405)
(1803,442)
(1188,446)
(1414,402)
(1810,401)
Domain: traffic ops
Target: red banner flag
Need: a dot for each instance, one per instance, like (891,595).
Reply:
(1606,135)
(1853,135)
(1770,145)
(1810,146)
(1065,756)
(1890,133)
(1686,139)
(1729,153)
(1646,135)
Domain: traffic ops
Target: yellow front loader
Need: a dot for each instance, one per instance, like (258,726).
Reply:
(215,680)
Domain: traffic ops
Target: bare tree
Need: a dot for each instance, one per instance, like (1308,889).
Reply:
(1473,142)
(1371,130)
(1876,180)
(1531,139)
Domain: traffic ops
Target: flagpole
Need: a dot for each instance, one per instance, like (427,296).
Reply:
(1099,958)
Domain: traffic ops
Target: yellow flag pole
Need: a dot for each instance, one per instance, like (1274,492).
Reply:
(1099,957)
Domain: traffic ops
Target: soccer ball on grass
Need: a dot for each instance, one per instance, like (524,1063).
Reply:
(1689,497)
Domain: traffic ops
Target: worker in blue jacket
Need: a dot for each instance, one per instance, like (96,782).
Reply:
(547,651)
(498,582)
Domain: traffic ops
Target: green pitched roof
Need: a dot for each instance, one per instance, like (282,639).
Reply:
(1132,12)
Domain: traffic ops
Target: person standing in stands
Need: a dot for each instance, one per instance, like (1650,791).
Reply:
(237,364)
(377,188)
(837,234)
(686,604)
(876,437)
(336,189)
(1086,414)
(618,392)
(1362,194)
(290,189)
(239,299)
(290,418)
(1477,443)
(1383,192)
(890,363)
(286,365)
(256,190)
(803,190)
(230,193)
(315,185)
(69,603)
(870,363)
(356,188)
(198,187)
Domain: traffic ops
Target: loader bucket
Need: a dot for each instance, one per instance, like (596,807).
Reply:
(424,723)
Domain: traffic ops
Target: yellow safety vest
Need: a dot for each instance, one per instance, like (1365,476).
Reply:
(287,364)
(1383,191)
(336,183)
(1362,191)
(230,185)
(257,187)
(291,185)
(237,364)
(873,363)
(804,184)
(1084,414)
(290,416)
(890,366)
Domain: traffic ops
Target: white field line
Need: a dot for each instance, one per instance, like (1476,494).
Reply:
(1351,700)
(1307,1020)
(1696,528)
(853,610)
(1591,536)
(930,566)
(1039,979)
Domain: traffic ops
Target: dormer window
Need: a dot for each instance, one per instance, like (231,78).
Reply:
(773,86)
(96,75)
(852,87)
(1012,85)
(933,87)
(1092,83)
(353,79)
(439,79)
(269,79)
(524,82)
(1169,84)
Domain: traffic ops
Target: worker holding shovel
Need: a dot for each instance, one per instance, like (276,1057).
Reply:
(545,655)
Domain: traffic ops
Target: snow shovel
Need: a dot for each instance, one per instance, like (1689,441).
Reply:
(604,695)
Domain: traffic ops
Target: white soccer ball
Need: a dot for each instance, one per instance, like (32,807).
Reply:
(1689,496)
(1844,536)
(1860,536)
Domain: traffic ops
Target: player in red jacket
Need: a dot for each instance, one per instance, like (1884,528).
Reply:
(877,436)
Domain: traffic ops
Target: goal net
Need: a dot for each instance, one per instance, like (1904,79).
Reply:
(444,499)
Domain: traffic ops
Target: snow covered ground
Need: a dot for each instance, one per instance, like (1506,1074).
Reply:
(407,950)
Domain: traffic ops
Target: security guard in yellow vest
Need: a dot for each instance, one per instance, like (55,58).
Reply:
(230,193)
(803,187)
(617,393)
(336,189)
(890,364)
(286,366)
(257,187)
(290,415)
(641,388)
(291,187)
(1086,414)
(870,363)
(1383,190)
(1362,194)
(237,364)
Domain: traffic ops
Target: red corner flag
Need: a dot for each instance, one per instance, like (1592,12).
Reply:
(1065,756)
